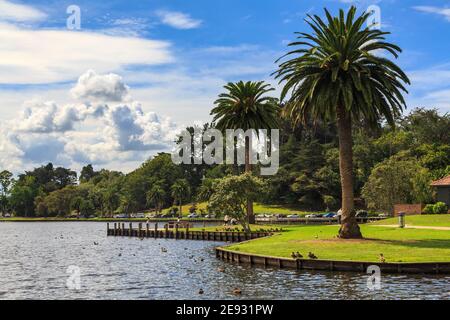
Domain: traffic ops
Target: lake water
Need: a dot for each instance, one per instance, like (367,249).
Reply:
(34,259)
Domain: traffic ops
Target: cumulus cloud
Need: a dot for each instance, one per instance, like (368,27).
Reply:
(108,87)
(178,20)
(80,133)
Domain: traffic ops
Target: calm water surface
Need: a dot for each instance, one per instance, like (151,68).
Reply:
(34,258)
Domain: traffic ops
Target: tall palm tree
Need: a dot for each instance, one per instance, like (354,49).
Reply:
(246,106)
(338,73)
(180,191)
(156,196)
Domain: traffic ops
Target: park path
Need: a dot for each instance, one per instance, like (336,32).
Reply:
(414,227)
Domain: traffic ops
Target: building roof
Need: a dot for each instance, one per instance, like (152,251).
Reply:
(441,182)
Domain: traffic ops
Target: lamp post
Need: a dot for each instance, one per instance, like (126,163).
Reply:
(401,219)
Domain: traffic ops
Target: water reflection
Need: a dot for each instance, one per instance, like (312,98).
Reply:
(35,256)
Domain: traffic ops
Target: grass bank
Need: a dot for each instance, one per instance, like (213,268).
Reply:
(397,245)
(435,220)
(257,207)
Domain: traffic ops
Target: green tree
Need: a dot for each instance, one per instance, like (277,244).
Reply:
(245,105)
(337,73)
(232,193)
(180,190)
(156,196)
(397,181)
(5,184)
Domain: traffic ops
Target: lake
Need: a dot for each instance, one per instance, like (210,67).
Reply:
(35,257)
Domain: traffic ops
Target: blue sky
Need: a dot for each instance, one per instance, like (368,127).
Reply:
(169,58)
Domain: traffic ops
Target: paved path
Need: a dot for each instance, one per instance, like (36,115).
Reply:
(413,227)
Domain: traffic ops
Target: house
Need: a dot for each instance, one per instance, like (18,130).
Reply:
(442,187)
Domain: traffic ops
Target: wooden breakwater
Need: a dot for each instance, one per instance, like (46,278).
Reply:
(144,231)
(330,265)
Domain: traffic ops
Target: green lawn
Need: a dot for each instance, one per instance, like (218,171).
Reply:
(435,220)
(257,207)
(397,245)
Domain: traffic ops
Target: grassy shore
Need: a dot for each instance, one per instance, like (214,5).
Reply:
(435,220)
(397,245)
(258,208)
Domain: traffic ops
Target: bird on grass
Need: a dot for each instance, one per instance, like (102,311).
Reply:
(312,255)
(382,259)
(237,291)
(296,255)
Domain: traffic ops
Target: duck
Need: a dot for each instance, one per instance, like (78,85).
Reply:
(312,255)
(95,243)
(293,255)
(237,291)
(382,259)
(163,249)
(221,269)
(298,255)
(201,291)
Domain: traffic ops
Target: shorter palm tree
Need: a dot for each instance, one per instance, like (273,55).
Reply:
(245,106)
(156,196)
(180,191)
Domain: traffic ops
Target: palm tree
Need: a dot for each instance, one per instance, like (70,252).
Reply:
(337,73)
(180,190)
(156,196)
(246,106)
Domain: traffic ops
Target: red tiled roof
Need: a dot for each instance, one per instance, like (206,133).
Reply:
(442,182)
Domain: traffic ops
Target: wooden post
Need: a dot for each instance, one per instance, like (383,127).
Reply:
(131,229)
(123,229)
(115,229)
(187,231)
(166,234)
(147,231)
(156,230)
(139,229)
(176,230)
(107,228)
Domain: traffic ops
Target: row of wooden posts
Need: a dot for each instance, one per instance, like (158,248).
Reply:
(119,229)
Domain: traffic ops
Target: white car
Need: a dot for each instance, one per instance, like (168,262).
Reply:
(192,216)
(139,215)
(293,216)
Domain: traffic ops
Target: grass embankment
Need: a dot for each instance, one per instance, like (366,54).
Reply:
(257,208)
(436,220)
(397,245)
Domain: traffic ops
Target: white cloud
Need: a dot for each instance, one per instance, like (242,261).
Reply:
(92,86)
(76,134)
(178,20)
(47,56)
(10,11)
(445,12)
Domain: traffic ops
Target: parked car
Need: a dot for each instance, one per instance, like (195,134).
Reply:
(311,216)
(169,215)
(7,215)
(193,216)
(210,216)
(121,216)
(139,215)
(330,215)
(362,214)
(260,216)
(293,216)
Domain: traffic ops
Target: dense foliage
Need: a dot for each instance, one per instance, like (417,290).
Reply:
(390,165)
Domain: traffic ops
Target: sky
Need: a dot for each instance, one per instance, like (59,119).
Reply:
(115,92)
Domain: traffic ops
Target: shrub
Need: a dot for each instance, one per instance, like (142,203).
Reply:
(174,210)
(429,209)
(440,208)
(193,209)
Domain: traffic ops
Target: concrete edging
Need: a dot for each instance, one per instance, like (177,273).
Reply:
(330,265)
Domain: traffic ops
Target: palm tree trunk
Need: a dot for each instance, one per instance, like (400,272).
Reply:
(349,227)
(248,168)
